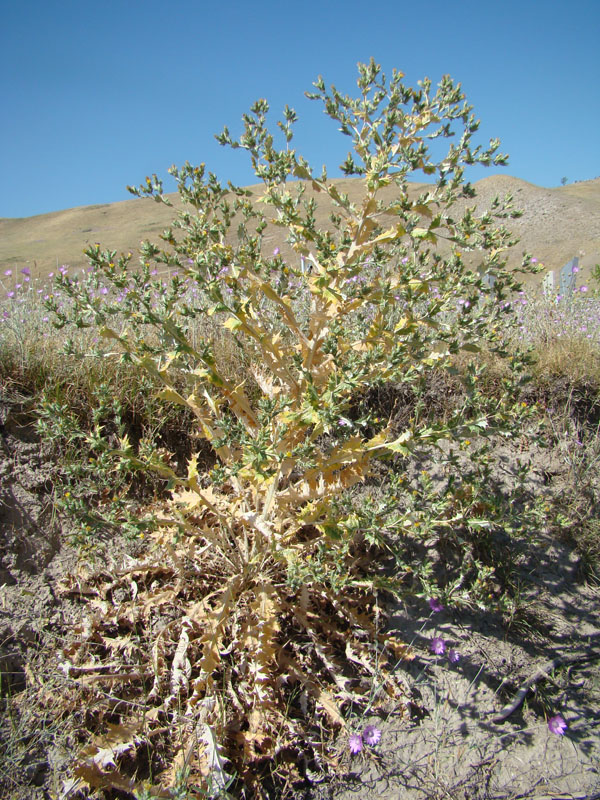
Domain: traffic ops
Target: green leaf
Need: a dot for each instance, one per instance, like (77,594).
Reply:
(422,234)
(479,524)
(331,530)
(401,444)
(300,171)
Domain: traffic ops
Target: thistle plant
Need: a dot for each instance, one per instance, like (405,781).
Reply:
(275,579)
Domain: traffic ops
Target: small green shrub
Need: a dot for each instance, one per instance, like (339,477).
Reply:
(272,577)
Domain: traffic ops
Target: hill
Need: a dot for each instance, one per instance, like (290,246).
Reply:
(557,224)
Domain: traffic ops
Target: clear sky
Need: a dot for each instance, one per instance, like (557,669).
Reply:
(97,94)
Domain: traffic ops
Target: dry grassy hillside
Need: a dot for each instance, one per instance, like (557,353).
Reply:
(556,225)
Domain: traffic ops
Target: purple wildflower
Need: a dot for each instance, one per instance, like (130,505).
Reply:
(575,270)
(276,251)
(453,656)
(8,272)
(557,725)
(438,646)
(534,260)
(435,605)
(10,294)
(583,288)
(26,271)
(371,735)
(355,743)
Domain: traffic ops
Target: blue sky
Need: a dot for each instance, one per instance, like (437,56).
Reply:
(97,95)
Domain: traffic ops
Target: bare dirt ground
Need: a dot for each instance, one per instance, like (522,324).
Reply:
(447,744)
(454,743)
(452,747)
(35,556)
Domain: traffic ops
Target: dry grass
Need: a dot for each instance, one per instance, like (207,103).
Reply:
(574,360)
